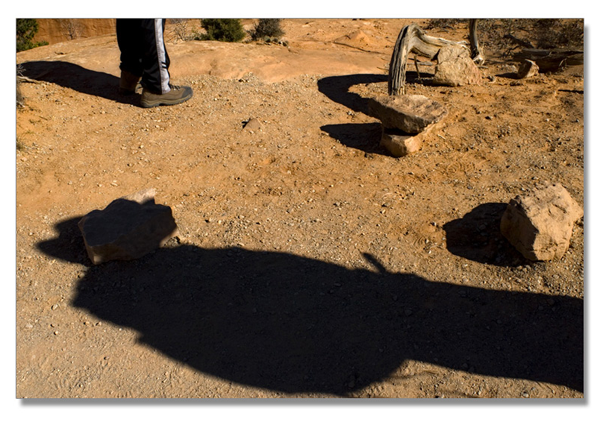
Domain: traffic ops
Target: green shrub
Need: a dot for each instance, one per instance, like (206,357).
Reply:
(267,28)
(26,30)
(229,30)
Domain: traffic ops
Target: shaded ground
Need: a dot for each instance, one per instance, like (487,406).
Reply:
(309,262)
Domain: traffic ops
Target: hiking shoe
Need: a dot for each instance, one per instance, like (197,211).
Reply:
(129,83)
(177,95)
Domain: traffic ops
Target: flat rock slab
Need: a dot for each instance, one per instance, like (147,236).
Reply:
(409,113)
(540,225)
(128,228)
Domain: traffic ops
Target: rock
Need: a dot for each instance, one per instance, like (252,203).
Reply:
(540,226)
(252,125)
(358,39)
(400,144)
(128,228)
(142,196)
(409,113)
(528,69)
(455,67)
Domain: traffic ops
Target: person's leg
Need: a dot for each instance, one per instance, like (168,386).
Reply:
(156,79)
(143,54)
(129,41)
(155,59)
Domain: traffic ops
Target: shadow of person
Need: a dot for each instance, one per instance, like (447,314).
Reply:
(69,245)
(477,237)
(78,78)
(296,325)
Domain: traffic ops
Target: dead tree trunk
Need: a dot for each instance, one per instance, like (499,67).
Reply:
(412,39)
(551,60)
(476,53)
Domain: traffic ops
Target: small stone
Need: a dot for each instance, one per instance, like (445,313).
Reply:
(528,69)
(400,144)
(252,125)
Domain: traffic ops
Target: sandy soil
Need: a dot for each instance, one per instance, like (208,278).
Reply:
(309,262)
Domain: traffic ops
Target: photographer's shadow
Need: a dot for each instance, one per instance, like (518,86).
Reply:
(294,324)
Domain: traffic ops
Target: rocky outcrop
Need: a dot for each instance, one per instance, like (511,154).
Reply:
(539,226)
(128,228)
(55,31)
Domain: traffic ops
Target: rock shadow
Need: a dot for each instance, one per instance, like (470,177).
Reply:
(362,136)
(293,324)
(337,88)
(508,75)
(365,136)
(73,76)
(477,237)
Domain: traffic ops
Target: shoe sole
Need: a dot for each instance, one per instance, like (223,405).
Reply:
(159,102)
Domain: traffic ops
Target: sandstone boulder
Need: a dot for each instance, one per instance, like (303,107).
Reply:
(539,226)
(409,113)
(128,228)
(455,67)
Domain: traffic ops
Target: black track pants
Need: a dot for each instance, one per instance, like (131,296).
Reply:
(143,52)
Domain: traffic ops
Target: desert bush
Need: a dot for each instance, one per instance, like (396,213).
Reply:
(229,30)
(267,28)
(179,29)
(552,33)
(505,35)
(449,23)
(72,28)
(26,30)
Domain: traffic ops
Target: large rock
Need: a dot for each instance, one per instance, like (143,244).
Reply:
(409,113)
(455,67)
(540,226)
(128,228)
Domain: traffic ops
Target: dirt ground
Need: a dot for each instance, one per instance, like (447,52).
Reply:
(309,262)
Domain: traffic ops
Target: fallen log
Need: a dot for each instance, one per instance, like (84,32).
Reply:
(550,60)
